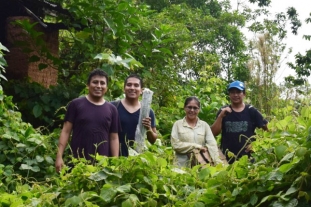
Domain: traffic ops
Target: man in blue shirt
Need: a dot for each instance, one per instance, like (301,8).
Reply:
(129,111)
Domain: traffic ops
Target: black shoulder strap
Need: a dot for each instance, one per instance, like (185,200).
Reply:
(116,103)
(251,112)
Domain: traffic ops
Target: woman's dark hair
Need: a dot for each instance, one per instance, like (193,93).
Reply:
(98,72)
(134,76)
(190,99)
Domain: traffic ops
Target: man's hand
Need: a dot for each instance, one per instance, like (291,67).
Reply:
(248,148)
(225,111)
(147,123)
(59,164)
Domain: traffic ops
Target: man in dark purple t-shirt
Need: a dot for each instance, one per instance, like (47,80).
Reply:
(93,122)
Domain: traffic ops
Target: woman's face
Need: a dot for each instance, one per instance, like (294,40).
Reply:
(192,109)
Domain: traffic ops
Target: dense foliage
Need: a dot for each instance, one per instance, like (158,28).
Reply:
(280,176)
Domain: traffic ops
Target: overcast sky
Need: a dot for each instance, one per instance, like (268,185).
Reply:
(297,43)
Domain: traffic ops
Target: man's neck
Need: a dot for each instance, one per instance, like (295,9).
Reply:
(238,107)
(131,102)
(96,101)
(131,105)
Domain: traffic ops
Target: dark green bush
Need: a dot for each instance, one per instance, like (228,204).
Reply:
(42,106)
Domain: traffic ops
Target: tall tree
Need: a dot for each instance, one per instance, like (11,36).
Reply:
(266,52)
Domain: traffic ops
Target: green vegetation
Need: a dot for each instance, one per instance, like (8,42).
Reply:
(180,48)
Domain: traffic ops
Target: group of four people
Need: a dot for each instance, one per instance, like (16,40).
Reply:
(108,128)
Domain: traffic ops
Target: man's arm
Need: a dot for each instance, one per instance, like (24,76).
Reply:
(62,143)
(151,131)
(217,125)
(114,144)
(152,135)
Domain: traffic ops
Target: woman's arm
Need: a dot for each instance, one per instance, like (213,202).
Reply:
(211,145)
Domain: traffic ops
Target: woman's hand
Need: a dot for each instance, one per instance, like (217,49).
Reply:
(203,149)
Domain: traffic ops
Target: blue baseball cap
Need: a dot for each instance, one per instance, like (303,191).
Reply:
(237,84)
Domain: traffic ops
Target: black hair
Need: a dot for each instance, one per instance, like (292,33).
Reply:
(237,89)
(134,76)
(190,99)
(98,72)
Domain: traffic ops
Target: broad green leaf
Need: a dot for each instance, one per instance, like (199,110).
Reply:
(127,203)
(39,158)
(287,157)
(83,35)
(286,167)
(280,151)
(304,194)
(21,145)
(3,62)
(88,195)
(89,204)
(151,203)
(98,176)
(25,167)
(275,175)
(131,201)
(291,190)
(9,136)
(162,162)
(291,203)
(48,159)
(111,25)
(107,193)
(166,51)
(266,198)
(199,204)
(108,172)
(253,199)
(204,174)
(37,110)
(46,99)
(236,191)
(2,47)
(35,169)
(301,151)
(35,140)
(124,188)
(29,131)
(74,201)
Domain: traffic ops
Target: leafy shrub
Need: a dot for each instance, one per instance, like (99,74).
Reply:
(41,106)
(24,150)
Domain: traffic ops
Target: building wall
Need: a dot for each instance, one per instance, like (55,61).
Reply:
(23,47)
